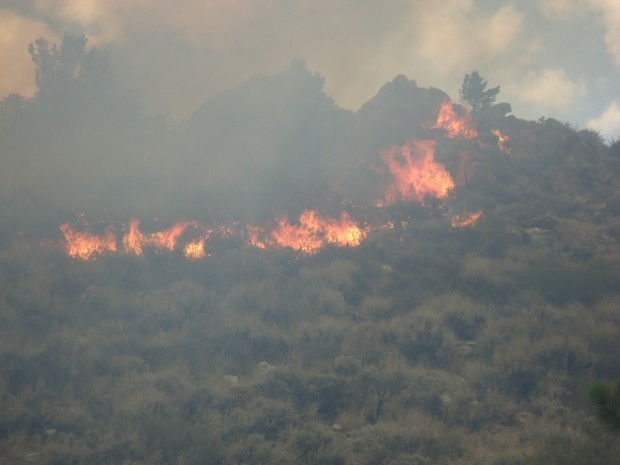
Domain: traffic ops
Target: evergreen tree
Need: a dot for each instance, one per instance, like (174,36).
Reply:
(473,92)
(70,71)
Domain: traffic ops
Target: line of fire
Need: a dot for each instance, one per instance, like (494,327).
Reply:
(413,175)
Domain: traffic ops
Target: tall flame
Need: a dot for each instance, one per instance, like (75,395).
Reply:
(502,141)
(416,173)
(84,245)
(135,240)
(455,125)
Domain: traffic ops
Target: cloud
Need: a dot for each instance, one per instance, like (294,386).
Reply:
(224,43)
(455,36)
(561,9)
(608,122)
(102,22)
(221,25)
(17,67)
(610,10)
(178,54)
(550,89)
(358,45)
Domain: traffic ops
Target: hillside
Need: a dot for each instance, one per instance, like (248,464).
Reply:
(409,284)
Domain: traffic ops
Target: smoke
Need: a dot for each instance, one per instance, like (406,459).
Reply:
(17,69)
(610,13)
(551,89)
(608,123)
(455,35)
(180,54)
(201,121)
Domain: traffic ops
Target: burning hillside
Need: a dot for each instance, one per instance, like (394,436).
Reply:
(229,293)
(413,176)
(242,176)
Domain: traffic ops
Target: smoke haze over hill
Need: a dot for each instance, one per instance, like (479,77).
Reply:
(556,59)
(273,162)
(210,252)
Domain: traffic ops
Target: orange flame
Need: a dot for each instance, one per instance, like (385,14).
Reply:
(313,232)
(85,245)
(502,141)
(195,250)
(254,234)
(416,173)
(466,219)
(415,176)
(455,126)
(344,232)
(135,241)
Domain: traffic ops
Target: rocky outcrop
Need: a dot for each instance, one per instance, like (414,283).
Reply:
(400,111)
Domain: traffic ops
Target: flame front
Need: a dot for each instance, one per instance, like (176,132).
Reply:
(502,141)
(84,245)
(135,241)
(455,125)
(313,232)
(195,250)
(415,176)
(466,219)
(416,173)
(304,237)
(344,232)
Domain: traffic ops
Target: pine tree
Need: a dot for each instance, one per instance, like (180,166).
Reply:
(473,92)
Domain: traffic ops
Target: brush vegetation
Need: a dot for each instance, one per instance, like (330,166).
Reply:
(425,345)
(405,351)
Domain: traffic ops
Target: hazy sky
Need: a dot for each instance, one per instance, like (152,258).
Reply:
(553,58)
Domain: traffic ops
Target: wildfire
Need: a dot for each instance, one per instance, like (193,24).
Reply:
(416,173)
(455,125)
(254,237)
(466,219)
(312,233)
(502,141)
(415,176)
(135,241)
(195,250)
(84,245)
(344,232)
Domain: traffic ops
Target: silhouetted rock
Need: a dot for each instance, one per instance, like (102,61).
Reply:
(400,111)
(493,117)
(269,138)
